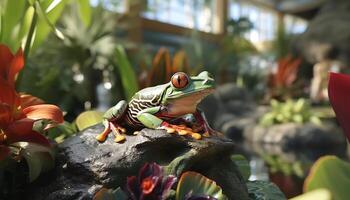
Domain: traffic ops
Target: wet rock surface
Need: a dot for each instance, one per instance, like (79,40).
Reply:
(84,165)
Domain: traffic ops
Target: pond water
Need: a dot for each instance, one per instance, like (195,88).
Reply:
(287,168)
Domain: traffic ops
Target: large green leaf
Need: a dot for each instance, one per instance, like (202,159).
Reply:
(39,158)
(262,190)
(196,184)
(88,118)
(331,173)
(11,16)
(318,194)
(49,11)
(26,22)
(242,164)
(85,11)
(127,74)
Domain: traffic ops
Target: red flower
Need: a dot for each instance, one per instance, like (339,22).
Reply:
(339,96)
(151,183)
(18,112)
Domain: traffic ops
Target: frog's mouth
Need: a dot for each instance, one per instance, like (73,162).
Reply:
(187,103)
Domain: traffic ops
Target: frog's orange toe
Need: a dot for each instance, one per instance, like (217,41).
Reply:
(101,137)
(196,136)
(119,138)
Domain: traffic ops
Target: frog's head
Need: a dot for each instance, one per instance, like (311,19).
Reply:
(185,92)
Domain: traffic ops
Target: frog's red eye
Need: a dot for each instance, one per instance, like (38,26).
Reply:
(179,80)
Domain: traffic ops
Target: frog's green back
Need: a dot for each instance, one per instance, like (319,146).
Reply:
(152,95)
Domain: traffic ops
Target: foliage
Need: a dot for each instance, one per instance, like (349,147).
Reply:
(318,194)
(163,67)
(23,119)
(128,76)
(282,82)
(288,168)
(151,183)
(298,111)
(29,21)
(331,173)
(83,59)
(195,184)
(242,164)
(338,92)
(261,190)
(87,119)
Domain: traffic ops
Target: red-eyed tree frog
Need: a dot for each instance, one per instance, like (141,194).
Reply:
(156,107)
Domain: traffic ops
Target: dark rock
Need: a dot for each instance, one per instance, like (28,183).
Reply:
(84,165)
(230,109)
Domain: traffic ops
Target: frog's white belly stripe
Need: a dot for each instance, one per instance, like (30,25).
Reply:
(136,106)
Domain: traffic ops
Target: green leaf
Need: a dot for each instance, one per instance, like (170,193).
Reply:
(242,164)
(318,194)
(331,173)
(61,131)
(127,74)
(197,184)
(39,158)
(43,27)
(87,119)
(108,194)
(85,11)
(11,15)
(26,22)
(262,190)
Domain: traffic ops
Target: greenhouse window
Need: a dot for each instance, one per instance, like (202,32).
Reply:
(199,14)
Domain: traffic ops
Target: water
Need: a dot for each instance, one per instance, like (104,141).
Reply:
(287,168)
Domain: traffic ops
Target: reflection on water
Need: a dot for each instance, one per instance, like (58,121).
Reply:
(258,169)
(287,168)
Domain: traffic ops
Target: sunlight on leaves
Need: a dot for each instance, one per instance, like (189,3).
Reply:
(331,173)
(87,119)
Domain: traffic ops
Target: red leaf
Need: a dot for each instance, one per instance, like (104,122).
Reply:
(5,61)
(29,100)
(44,111)
(10,64)
(339,96)
(22,131)
(5,115)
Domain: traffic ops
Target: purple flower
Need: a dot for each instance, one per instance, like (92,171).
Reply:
(150,183)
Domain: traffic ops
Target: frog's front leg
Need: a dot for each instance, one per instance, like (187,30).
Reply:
(110,119)
(203,124)
(148,118)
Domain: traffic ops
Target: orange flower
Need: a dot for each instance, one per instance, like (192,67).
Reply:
(19,112)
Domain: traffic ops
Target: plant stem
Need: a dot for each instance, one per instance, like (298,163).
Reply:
(28,45)
(30,36)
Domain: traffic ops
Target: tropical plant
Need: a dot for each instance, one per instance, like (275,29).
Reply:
(23,119)
(331,173)
(339,95)
(83,59)
(29,22)
(298,111)
(163,67)
(152,183)
(282,82)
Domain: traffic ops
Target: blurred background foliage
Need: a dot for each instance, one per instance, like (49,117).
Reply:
(85,50)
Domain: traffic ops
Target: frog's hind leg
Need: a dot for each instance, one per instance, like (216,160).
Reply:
(119,132)
(103,136)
